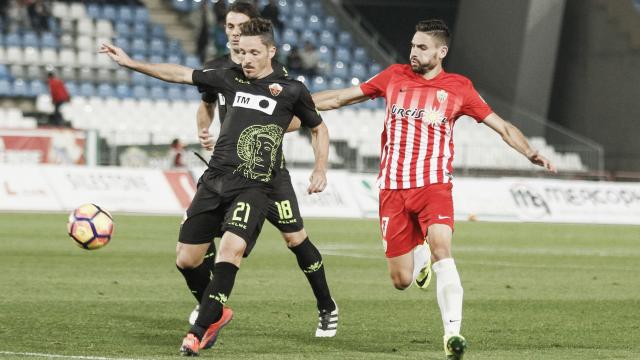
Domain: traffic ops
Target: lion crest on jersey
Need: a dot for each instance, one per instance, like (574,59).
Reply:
(275,89)
(441,95)
(257,148)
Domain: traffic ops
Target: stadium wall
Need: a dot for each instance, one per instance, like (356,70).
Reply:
(348,195)
(596,88)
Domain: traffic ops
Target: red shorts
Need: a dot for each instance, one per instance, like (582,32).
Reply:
(405,215)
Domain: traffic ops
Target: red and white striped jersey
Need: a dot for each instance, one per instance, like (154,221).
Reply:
(417,140)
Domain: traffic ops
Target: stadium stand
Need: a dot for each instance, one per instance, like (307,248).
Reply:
(132,109)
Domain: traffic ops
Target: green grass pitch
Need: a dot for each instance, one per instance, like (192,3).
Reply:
(532,291)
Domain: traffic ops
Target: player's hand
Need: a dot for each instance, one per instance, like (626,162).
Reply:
(116,54)
(205,139)
(540,160)
(317,181)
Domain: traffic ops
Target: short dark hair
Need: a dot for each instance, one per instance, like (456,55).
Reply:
(259,27)
(243,7)
(436,28)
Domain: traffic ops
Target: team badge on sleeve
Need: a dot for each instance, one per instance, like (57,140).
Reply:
(275,89)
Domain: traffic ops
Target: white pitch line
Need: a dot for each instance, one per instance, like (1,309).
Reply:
(55,356)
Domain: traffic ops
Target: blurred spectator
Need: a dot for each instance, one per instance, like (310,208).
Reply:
(310,57)
(59,96)
(176,154)
(38,15)
(203,36)
(294,62)
(220,11)
(271,12)
(4,8)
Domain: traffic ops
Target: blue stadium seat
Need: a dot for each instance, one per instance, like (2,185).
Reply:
(174,59)
(284,51)
(157,47)
(343,54)
(13,39)
(182,5)
(340,70)
(174,92)
(358,70)
(123,42)
(125,14)
(37,87)
(138,46)
(331,24)
(344,39)
(72,88)
(109,12)
(30,39)
(336,83)
(140,30)
(297,23)
(141,14)
(307,35)
(327,38)
(192,62)
(299,8)
(94,10)
(19,88)
(315,8)
(158,93)
(106,90)
(157,31)
(284,8)
(139,79)
(325,54)
(360,55)
(48,40)
(87,90)
(175,47)
(5,87)
(122,29)
(123,91)
(139,57)
(314,23)
(374,69)
(140,92)
(191,93)
(319,84)
(157,59)
(289,36)
(4,72)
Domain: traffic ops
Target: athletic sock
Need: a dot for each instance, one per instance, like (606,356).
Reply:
(449,292)
(197,279)
(215,296)
(210,257)
(310,262)
(421,255)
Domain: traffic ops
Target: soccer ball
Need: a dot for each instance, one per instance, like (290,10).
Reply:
(90,226)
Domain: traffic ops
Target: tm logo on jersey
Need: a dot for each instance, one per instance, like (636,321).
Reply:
(433,117)
(255,102)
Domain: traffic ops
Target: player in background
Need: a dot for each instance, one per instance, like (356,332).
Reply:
(415,179)
(284,212)
(244,166)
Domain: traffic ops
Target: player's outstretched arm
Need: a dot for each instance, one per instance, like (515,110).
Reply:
(514,137)
(320,144)
(167,72)
(334,99)
(204,118)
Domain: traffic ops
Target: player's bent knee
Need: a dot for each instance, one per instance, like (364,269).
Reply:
(231,249)
(401,280)
(294,239)
(189,256)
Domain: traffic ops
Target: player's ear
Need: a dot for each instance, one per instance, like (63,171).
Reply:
(443,51)
(272,52)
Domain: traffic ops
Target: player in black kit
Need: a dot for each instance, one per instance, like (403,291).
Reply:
(283,210)
(245,164)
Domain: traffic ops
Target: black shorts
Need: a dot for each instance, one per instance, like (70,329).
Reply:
(225,203)
(283,211)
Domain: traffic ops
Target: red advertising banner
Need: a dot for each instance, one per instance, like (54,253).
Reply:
(42,146)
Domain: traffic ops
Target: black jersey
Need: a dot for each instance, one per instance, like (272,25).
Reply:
(258,114)
(225,62)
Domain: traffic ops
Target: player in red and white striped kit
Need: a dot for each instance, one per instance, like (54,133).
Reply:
(423,104)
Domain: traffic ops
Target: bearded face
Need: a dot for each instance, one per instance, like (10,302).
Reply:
(426,53)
